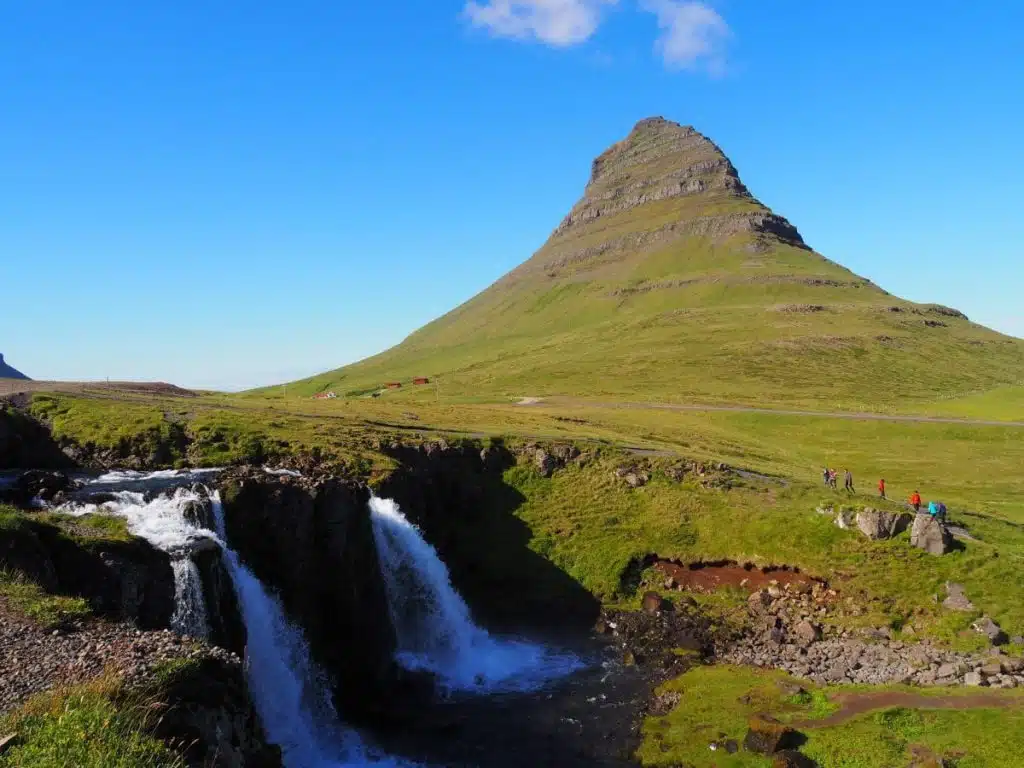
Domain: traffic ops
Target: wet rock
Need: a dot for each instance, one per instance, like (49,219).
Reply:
(877,524)
(931,535)
(956,599)
(199,513)
(42,484)
(991,630)
(766,735)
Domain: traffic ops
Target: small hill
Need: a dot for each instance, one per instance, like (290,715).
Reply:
(669,281)
(7,372)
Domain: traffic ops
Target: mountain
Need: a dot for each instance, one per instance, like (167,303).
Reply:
(6,372)
(669,281)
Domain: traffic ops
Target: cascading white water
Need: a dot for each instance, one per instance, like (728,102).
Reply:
(287,689)
(189,604)
(435,629)
(163,524)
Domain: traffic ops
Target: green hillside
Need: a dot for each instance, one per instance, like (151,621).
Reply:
(668,281)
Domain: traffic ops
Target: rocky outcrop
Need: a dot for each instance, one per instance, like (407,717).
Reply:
(205,708)
(130,580)
(223,617)
(931,535)
(27,444)
(879,524)
(312,543)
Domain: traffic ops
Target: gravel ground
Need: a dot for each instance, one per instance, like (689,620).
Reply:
(34,659)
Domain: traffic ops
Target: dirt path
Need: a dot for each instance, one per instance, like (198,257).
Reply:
(781,412)
(854,704)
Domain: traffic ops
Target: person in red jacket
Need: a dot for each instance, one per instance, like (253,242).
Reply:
(881,488)
(915,501)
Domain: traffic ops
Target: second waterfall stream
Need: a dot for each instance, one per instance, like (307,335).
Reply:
(435,630)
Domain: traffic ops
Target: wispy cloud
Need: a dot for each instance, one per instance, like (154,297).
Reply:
(555,22)
(693,34)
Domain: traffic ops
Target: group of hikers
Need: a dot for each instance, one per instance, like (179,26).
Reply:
(935,508)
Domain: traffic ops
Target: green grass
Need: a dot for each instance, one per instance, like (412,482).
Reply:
(89,726)
(30,600)
(716,703)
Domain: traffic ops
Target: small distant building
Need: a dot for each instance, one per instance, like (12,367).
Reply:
(324,396)
(394,385)
(420,380)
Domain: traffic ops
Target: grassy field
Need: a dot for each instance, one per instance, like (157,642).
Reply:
(716,702)
(89,726)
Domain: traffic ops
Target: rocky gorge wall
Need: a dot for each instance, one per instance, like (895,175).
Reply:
(311,542)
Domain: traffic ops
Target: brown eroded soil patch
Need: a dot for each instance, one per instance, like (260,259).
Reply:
(853,704)
(710,577)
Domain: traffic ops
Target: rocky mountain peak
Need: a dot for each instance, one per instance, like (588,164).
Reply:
(7,372)
(659,160)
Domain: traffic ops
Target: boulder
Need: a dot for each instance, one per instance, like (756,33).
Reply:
(653,603)
(956,599)
(991,630)
(931,535)
(974,678)
(846,519)
(546,463)
(42,484)
(807,633)
(766,735)
(759,601)
(879,524)
(636,479)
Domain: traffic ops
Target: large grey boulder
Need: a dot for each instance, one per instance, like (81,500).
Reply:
(930,535)
(991,630)
(879,524)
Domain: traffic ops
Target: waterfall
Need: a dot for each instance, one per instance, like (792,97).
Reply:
(435,629)
(288,690)
(189,604)
(163,524)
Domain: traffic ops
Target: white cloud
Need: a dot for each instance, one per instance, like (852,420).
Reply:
(693,34)
(555,22)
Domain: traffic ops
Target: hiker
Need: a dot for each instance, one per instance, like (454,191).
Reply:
(824,476)
(940,511)
(832,479)
(848,482)
(881,488)
(933,508)
(915,501)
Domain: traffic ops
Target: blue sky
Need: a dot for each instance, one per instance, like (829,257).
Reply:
(234,194)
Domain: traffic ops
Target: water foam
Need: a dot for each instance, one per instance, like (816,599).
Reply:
(435,629)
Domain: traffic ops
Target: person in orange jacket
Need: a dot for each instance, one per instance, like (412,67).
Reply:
(881,488)
(915,501)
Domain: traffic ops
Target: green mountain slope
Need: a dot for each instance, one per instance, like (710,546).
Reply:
(669,281)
